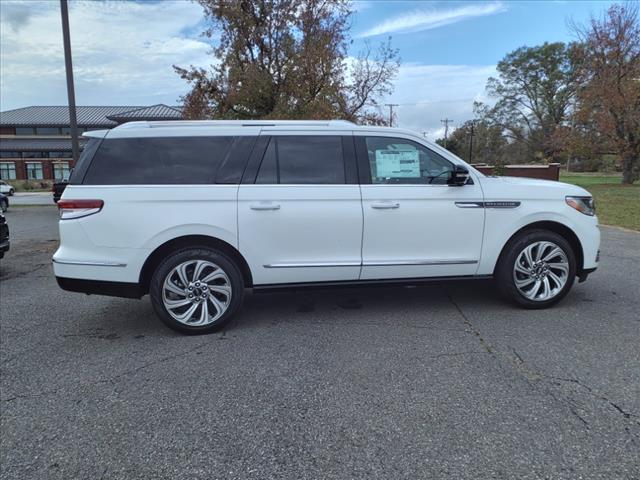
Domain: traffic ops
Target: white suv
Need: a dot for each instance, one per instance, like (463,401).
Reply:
(193,213)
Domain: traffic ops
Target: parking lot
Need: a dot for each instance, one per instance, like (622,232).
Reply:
(437,381)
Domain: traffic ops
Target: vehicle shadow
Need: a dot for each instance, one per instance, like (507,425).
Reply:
(382,305)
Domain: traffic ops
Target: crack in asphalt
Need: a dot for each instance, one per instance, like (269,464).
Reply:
(115,377)
(533,376)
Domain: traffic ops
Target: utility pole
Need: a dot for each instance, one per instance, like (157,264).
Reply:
(391,105)
(446,122)
(471,142)
(71,94)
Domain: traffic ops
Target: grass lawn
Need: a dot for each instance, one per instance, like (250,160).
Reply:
(616,204)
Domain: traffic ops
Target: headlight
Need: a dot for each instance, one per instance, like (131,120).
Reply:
(584,205)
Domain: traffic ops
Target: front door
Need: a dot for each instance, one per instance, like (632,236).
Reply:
(415,225)
(300,221)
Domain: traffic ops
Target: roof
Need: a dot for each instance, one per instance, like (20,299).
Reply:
(37,144)
(242,127)
(88,116)
(154,112)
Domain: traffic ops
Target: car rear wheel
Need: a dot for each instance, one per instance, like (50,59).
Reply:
(4,205)
(196,290)
(11,191)
(537,269)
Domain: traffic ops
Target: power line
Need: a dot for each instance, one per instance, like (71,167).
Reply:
(446,122)
(391,105)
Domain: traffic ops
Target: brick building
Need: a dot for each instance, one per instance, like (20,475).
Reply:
(35,142)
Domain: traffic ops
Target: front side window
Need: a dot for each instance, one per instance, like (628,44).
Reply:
(34,170)
(401,161)
(60,170)
(303,160)
(8,171)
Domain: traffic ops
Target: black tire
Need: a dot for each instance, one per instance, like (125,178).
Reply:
(11,192)
(4,205)
(229,267)
(504,273)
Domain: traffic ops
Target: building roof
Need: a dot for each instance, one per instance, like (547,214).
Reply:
(93,116)
(154,112)
(37,144)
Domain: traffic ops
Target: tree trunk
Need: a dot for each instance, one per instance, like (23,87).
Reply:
(628,161)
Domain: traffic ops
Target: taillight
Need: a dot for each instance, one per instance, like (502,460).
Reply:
(69,209)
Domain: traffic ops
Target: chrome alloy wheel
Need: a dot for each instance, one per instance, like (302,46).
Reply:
(196,292)
(541,271)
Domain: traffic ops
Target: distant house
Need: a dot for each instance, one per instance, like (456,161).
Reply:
(35,142)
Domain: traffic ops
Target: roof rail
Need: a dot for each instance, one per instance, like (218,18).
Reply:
(236,123)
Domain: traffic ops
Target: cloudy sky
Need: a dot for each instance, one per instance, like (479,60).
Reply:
(123,50)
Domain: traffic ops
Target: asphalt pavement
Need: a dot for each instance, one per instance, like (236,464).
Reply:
(437,381)
(31,198)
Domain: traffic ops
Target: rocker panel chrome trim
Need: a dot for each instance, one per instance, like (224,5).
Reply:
(90,263)
(379,263)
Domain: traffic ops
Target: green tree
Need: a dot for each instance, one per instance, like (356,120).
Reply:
(535,90)
(286,59)
(488,142)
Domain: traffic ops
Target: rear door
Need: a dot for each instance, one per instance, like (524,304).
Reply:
(299,209)
(415,225)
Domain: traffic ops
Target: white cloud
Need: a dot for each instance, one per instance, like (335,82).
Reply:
(423,19)
(428,93)
(123,52)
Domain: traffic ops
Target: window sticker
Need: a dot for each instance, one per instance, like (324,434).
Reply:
(398,163)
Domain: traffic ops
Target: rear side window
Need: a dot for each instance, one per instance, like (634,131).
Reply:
(159,161)
(80,169)
(303,160)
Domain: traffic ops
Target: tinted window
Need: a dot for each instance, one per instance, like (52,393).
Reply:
(6,154)
(303,160)
(400,161)
(268,168)
(77,173)
(160,161)
(35,154)
(47,131)
(60,155)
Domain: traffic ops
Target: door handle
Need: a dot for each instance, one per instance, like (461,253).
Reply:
(264,206)
(385,205)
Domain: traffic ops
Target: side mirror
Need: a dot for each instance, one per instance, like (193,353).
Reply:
(459,176)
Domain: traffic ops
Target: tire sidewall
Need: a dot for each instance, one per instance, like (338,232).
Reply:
(196,253)
(504,272)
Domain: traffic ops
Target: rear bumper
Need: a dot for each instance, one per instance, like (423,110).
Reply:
(99,287)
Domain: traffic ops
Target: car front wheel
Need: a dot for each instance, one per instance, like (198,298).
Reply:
(11,192)
(4,205)
(196,290)
(537,269)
